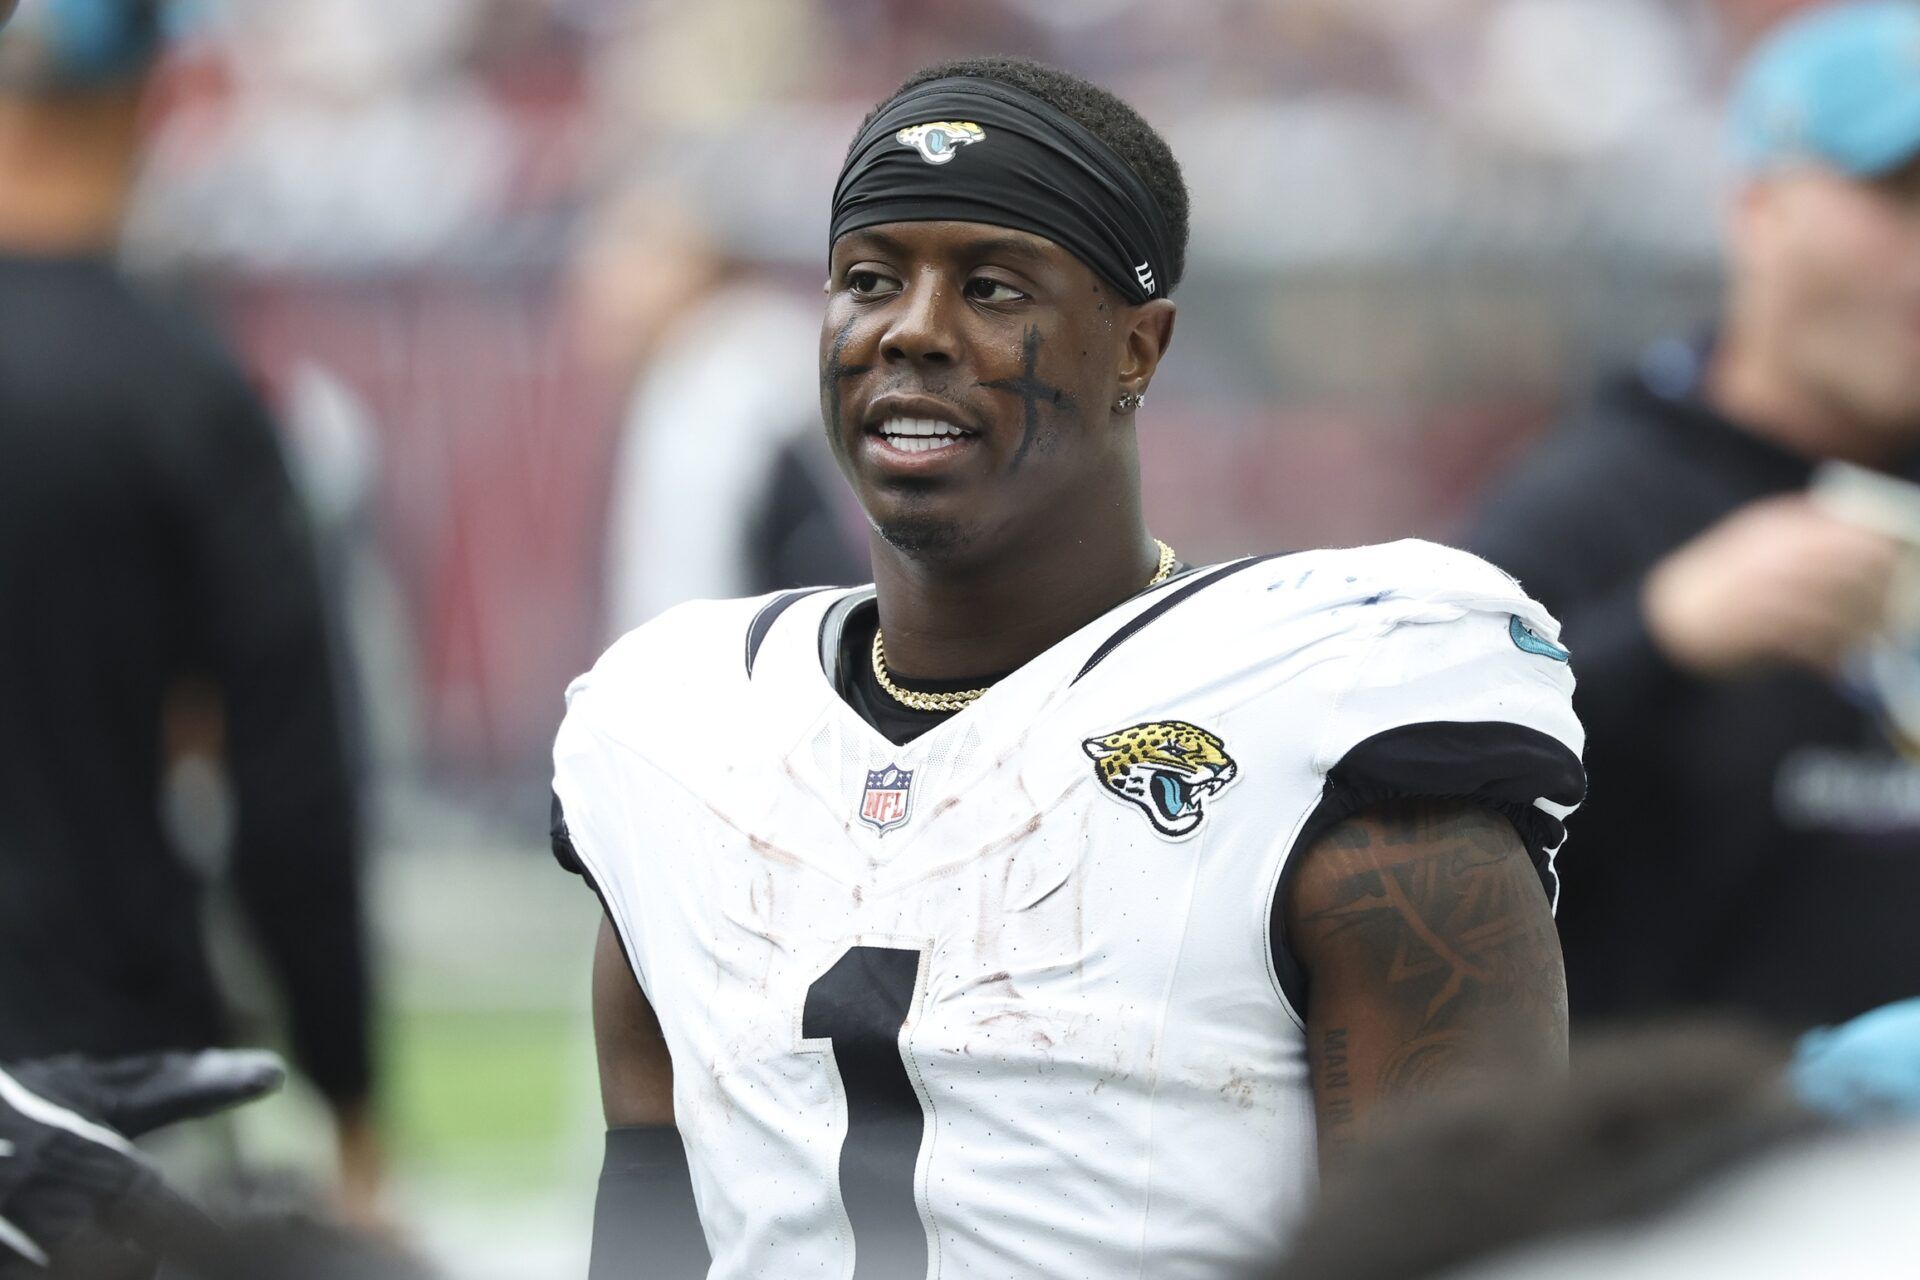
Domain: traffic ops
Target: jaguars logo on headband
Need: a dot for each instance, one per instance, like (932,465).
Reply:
(939,141)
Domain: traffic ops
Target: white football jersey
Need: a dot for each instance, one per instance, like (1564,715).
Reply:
(1011,999)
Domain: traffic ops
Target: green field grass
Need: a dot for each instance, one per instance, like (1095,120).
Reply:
(485,1097)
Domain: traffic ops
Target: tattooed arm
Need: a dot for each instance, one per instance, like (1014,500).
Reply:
(1430,953)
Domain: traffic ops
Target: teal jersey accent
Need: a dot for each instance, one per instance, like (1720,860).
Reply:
(1527,641)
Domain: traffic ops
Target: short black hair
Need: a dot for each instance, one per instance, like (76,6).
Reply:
(1102,114)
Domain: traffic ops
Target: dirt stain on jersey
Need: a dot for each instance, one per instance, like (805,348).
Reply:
(772,852)
(947,870)
(1031,1023)
(760,844)
(998,984)
(1240,1089)
(1027,829)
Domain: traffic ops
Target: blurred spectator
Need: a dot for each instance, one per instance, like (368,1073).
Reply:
(1669,1152)
(1753,832)
(1643,1120)
(149,541)
(339,137)
(724,484)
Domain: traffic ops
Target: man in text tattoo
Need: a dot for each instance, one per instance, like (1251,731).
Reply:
(1431,945)
(1039,909)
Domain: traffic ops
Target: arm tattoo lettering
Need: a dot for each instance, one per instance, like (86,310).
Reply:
(1334,1087)
(1431,955)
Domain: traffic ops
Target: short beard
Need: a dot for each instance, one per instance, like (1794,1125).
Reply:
(923,538)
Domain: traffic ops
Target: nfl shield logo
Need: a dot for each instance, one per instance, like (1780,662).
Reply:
(888,799)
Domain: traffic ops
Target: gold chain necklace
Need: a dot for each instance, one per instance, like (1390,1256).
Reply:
(967,697)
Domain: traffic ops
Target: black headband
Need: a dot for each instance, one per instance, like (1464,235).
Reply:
(972,150)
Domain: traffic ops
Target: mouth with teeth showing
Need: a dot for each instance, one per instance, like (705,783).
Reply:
(921,435)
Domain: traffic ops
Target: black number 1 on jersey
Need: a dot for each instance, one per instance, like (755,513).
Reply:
(861,1004)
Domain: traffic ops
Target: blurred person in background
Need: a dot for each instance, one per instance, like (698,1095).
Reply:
(150,541)
(723,485)
(1753,835)
(1711,1150)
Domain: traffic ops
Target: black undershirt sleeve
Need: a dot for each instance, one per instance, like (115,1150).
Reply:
(1498,766)
(646,1224)
(561,841)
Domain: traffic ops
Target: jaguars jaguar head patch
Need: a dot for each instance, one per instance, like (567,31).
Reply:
(1168,769)
(939,141)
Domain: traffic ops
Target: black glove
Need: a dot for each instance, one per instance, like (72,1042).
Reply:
(136,1095)
(76,1200)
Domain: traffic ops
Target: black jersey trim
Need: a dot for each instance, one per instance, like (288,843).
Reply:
(561,841)
(568,855)
(1495,763)
(833,625)
(1159,607)
(769,614)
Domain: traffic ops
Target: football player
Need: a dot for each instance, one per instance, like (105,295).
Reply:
(1045,907)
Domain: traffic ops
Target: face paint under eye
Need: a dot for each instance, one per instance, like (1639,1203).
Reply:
(1033,391)
(834,371)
